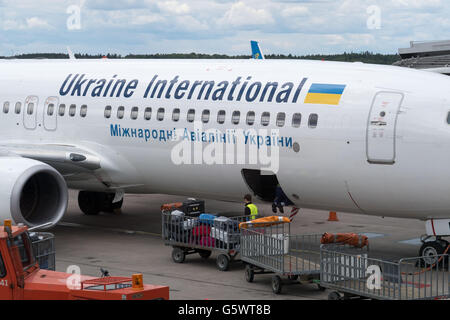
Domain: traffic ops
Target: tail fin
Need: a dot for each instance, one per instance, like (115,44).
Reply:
(256,51)
(71,55)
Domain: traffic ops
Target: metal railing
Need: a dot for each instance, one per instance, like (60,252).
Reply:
(273,248)
(222,233)
(43,244)
(352,271)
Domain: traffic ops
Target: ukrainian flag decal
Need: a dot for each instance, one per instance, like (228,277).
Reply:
(320,93)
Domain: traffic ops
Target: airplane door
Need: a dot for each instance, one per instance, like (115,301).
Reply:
(50,107)
(30,112)
(381,127)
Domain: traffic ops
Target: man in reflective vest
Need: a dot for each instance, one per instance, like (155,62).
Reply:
(250,209)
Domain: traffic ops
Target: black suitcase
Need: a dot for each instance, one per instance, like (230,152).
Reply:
(193,208)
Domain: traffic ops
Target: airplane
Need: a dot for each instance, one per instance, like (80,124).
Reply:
(350,137)
(256,50)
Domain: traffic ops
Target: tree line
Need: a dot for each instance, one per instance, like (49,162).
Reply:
(366,57)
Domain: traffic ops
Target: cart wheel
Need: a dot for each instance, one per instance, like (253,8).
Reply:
(334,295)
(321,288)
(178,255)
(205,254)
(223,262)
(276,284)
(293,278)
(249,273)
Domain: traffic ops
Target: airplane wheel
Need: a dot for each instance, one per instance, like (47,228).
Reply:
(89,202)
(107,202)
(430,250)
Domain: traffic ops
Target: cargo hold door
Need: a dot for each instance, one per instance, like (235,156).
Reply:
(381,127)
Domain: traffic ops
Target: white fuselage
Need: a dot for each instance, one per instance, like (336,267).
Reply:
(336,167)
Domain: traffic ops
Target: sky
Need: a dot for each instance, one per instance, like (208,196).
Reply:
(219,26)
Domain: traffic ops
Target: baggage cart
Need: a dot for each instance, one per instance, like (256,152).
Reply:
(43,244)
(352,274)
(271,249)
(204,235)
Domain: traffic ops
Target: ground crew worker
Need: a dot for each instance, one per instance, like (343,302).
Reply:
(250,209)
(280,200)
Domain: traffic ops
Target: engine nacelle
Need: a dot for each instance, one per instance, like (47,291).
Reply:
(31,192)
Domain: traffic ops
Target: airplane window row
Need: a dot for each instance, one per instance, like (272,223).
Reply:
(50,109)
(221,116)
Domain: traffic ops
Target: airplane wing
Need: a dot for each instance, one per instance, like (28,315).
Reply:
(72,162)
(69,158)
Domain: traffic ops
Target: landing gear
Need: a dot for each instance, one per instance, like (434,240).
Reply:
(92,203)
(430,251)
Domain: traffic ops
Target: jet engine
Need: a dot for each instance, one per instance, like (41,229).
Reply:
(31,192)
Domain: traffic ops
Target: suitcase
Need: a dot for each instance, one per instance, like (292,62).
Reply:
(193,208)
(207,241)
(207,218)
(228,237)
(172,206)
(177,213)
(201,230)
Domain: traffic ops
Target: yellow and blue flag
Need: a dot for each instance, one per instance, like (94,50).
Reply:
(321,93)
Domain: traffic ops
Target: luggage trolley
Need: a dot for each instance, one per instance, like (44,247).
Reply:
(269,248)
(351,273)
(43,244)
(204,235)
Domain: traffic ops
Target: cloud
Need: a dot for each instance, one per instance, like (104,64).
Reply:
(220,26)
(35,22)
(29,23)
(174,7)
(240,14)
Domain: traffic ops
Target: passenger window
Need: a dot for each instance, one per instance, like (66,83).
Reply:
(120,112)
(148,113)
(296,120)
(134,113)
(265,118)
(313,120)
(50,109)
(448,117)
(62,110)
(18,107)
(221,117)
(191,115)
(250,118)
(176,114)
(30,108)
(160,114)
(83,111)
(6,107)
(235,117)
(205,116)
(72,110)
(281,117)
(108,112)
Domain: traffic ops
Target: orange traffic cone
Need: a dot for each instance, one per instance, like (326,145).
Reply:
(333,216)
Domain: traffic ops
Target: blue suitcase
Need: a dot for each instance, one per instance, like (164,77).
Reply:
(207,218)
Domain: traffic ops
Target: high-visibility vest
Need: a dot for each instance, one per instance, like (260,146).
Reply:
(253,210)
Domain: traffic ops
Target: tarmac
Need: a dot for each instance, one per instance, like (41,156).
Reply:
(129,242)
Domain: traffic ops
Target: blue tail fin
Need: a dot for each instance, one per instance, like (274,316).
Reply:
(256,51)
